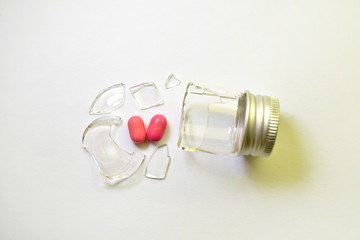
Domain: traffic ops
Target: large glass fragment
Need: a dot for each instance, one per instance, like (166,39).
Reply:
(146,95)
(209,121)
(172,81)
(114,163)
(159,163)
(108,100)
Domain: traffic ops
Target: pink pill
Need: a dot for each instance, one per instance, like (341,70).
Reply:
(137,129)
(156,128)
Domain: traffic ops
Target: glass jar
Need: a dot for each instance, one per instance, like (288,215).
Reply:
(225,123)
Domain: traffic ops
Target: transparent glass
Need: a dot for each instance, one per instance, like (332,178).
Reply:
(172,81)
(146,95)
(108,100)
(114,163)
(209,121)
(222,122)
(158,163)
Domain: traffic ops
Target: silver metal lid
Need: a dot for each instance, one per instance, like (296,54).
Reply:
(258,124)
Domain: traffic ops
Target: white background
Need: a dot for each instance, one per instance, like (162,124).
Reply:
(55,56)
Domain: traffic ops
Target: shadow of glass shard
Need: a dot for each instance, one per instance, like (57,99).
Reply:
(146,95)
(114,163)
(108,100)
(172,81)
(158,163)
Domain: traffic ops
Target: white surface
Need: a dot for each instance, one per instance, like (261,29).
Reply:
(55,56)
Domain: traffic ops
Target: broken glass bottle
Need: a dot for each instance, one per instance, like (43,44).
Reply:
(224,123)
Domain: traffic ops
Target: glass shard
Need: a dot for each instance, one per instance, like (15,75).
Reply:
(114,163)
(172,81)
(146,95)
(108,100)
(159,163)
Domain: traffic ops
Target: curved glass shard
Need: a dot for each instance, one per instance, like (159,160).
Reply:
(146,95)
(114,163)
(108,100)
(159,163)
(172,81)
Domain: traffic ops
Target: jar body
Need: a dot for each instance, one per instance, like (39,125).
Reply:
(221,122)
